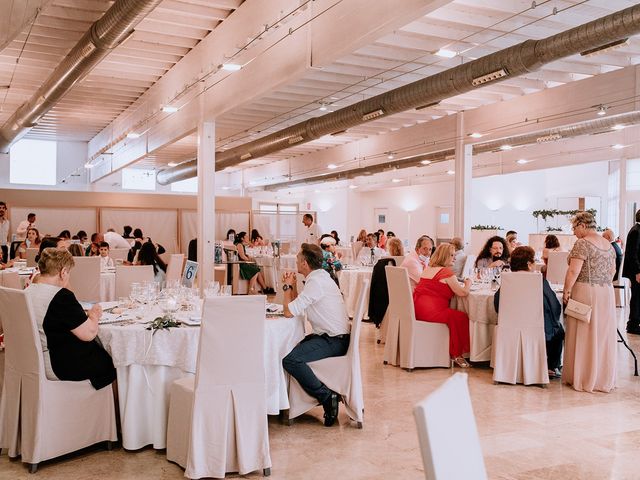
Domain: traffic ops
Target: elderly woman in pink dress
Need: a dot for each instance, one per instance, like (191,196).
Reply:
(590,348)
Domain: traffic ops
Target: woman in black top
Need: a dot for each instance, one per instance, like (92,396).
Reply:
(67,333)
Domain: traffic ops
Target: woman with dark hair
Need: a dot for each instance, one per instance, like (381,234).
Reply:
(49,242)
(137,234)
(126,231)
(32,241)
(495,253)
(137,245)
(148,255)
(248,271)
(256,239)
(82,236)
(522,259)
(65,235)
(230,232)
(335,236)
(551,244)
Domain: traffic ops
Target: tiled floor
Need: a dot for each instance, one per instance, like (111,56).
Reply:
(526,432)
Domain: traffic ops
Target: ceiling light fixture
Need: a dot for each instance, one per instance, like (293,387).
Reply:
(618,146)
(169,109)
(475,135)
(451,172)
(396,180)
(353,186)
(426,162)
(332,166)
(490,77)
(506,147)
(602,110)
(323,107)
(522,161)
(89,165)
(390,156)
(226,188)
(230,67)
(617,127)
(172,164)
(443,52)
(133,135)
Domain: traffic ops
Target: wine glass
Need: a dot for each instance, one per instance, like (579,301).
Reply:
(212,289)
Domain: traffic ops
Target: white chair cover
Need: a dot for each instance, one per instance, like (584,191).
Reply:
(84,280)
(519,353)
(119,254)
(411,343)
(10,280)
(445,421)
(469,264)
(356,247)
(31,256)
(340,374)
(126,275)
(39,418)
(218,420)
(174,269)
(557,267)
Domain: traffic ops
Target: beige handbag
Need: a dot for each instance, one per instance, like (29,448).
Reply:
(578,310)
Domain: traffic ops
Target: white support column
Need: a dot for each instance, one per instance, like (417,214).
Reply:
(462,199)
(206,201)
(623,220)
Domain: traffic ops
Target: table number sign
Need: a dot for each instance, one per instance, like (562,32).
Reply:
(189,274)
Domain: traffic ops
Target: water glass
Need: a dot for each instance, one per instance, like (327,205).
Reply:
(212,289)
(225,290)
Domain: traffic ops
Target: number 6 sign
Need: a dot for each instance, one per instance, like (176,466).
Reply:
(189,274)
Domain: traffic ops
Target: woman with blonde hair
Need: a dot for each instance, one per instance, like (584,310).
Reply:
(362,236)
(394,247)
(590,348)
(431,299)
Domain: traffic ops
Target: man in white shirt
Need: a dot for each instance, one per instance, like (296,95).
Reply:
(322,301)
(21,232)
(370,253)
(115,240)
(312,232)
(4,231)
(416,261)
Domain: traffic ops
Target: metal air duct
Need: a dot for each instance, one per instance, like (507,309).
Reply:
(105,34)
(513,61)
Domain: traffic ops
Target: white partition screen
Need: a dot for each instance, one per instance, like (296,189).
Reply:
(52,221)
(160,225)
(239,221)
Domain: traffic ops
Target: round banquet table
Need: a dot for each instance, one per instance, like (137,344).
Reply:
(347,255)
(351,284)
(147,364)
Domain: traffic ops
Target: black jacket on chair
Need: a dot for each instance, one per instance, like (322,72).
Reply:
(379,292)
(631,264)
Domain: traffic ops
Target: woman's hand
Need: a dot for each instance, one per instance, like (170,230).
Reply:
(95,313)
(497,263)
(467,283)
(565,297)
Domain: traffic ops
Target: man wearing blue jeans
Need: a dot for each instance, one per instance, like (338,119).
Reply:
(322,301)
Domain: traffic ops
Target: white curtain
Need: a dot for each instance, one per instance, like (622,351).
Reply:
(239,221)
(160,225)
(52,221)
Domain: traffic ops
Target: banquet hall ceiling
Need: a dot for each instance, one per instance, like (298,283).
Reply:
(471,28)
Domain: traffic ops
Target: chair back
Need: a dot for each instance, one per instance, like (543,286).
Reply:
(521,300)
(402,317)
(84,280)
(285,248)
(174,269)
(126,275)
(10,280)
(469,263)
(31,256)
(379,293)
(448,409)
(119,254)
(231,347)
(356,247)
(557,267)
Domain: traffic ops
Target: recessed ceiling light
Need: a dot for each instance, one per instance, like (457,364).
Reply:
(226,188)
(602,110)
(475,135)
(396,180)
(618,146)
(133,135)
(451,172)
(172,164)
(323,107)
(443,52)
(617,127)
(317,191)
(231,67)
(89,165)
(425,162)
(353,186)
(506,147)
(332,166)
(522,161)
(169,109)
(390,156)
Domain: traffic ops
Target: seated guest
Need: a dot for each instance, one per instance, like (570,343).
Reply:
(249,271)
(231,235)
(139,240)
(495,253)
(32,241)
(431,299)
(394,247)
(115,240)
(256,239)
(415,262)
(512,241)
(609,235)
(362,236)
(192,250)
(76,250)
(65,235)
(390,234)
(148,255)
(460,257)
(126,231)
(82,236)
(105,260)
(92,250)
(382,239)
(50,242)
(551,244)
(323,304)
(67,333)
(335,236)
(4,263)
(370,253)
(330,260)
(522,259)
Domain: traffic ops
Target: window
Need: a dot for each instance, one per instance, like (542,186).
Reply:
(33,162)
(138,179)
(190,185)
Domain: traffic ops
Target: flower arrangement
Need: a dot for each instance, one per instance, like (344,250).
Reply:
(162,323)
(544,214)
(554,229)
(485,227)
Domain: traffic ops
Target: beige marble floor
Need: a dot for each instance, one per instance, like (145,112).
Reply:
(526,432)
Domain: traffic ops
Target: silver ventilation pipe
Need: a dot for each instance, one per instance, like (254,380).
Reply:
(105,34)
(513,61)
(600,125)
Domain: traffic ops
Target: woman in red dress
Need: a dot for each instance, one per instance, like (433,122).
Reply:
(431,299)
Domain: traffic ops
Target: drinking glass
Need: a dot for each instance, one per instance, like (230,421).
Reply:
(212,289)
(226,290)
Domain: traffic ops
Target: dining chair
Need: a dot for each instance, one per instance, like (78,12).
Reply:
(519,353)
(10,280)
(356,247)
(119,254)
(128,274)
(218,419)
(445,422)
(341,374)
(42,419)
(557,267)
(411,343)
(31,256)
(174,268)
(379,291)
(84,279)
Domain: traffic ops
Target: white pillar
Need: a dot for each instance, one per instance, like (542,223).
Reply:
(462,199)
(206,201)
(623,221)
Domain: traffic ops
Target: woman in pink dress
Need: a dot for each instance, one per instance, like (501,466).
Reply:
(431,299)
(590,348)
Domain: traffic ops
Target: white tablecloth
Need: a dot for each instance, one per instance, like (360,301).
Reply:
(147,365)
(351,283)
(268,265)
(288,262)
(482,320)
(107,287)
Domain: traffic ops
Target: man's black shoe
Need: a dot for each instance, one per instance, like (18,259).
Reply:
(633,330)
(330,409)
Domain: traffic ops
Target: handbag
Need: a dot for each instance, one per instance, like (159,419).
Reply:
(578,310)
